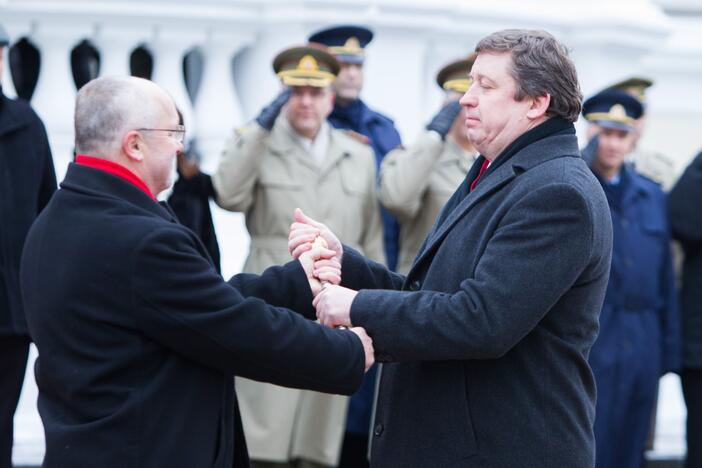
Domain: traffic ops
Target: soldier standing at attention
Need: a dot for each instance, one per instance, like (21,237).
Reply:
(639,339)
(416,182)
(291,157)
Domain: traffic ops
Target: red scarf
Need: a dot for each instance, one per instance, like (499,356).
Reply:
(114,169)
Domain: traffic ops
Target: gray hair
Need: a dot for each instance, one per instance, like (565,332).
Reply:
(109,107)
(540,66)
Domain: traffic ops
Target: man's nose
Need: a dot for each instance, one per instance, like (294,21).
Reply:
(468,99)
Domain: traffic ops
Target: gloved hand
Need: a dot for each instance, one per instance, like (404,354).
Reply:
(589,153)
(268,114)
(442,121)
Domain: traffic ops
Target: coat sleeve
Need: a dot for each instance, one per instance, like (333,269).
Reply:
(684,202)
(183,304)
(358,272)
(404,175)
(547,235)
(671,336)
(237,173)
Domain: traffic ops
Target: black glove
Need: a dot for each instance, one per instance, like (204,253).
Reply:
(268,114)
(442,121)
(589,153)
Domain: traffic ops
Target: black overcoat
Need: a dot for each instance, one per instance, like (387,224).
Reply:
(27,181)
(487,338)
(686,220)
(139,338)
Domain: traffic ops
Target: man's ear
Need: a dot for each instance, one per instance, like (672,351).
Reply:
(133,145)
(539,106)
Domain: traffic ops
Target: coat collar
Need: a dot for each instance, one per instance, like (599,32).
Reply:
(95,182)
(12,116)
(546,149)
(637,187)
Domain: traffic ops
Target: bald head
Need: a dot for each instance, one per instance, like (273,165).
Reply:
(109,107)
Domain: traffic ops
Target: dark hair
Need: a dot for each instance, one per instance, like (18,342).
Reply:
(540,65)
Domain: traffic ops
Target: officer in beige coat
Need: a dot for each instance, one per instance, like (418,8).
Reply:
(291,157)
(417,181)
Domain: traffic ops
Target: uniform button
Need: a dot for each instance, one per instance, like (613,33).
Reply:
(625,222)
(415,286)
(628,262)
(378,430)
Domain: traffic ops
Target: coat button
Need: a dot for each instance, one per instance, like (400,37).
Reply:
(378,429)
(625,222)
(628,262)
(415,286)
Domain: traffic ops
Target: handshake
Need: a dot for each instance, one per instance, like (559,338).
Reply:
(320,253)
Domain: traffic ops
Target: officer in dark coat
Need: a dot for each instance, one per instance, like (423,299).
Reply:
(685,199)
(138,336)
(639,338)
(27,181)
(348,43)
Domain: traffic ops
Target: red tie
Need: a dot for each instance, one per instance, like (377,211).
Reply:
(483,168)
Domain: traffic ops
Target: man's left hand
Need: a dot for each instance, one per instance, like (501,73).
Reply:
(333,306)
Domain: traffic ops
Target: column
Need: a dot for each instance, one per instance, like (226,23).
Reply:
(54,97)
(218,110)
(168,47)
(116,43)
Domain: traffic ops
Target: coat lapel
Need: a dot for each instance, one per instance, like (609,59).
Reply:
(493,182)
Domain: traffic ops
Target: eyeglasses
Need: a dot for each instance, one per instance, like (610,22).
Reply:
(177,133)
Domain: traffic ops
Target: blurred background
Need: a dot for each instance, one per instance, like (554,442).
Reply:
(214,57)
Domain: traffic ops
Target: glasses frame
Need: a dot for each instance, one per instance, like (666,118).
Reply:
(179,132)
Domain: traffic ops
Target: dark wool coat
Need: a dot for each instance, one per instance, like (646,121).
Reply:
(487,338)
(685,200)
(27,181)
(139,337)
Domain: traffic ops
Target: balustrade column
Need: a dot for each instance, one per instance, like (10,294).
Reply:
(54,97)
(168,48)
(218,110)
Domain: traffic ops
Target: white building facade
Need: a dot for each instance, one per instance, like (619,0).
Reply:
(237,39)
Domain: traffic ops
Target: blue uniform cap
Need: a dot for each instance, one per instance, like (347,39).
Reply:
(346,42)
(613,108)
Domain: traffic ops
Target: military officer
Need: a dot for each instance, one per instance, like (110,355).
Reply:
(653,164)
(291,157)
(416,182)
(348,43)
(639,338)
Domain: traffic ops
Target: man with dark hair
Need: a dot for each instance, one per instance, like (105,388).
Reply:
(138,336)
(486,339)
(27,182)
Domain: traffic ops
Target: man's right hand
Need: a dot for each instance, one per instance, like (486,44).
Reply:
(367,342)
(268,114)
(305,230)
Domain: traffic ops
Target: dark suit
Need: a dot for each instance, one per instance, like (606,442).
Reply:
(488,336)
(139,337)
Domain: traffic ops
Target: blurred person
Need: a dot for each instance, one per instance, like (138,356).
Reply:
(27,182)
(639,339)
(686,222)
(485,341)
(652,164)
(138,336)
(291,157)
(416,182)
(348,43)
